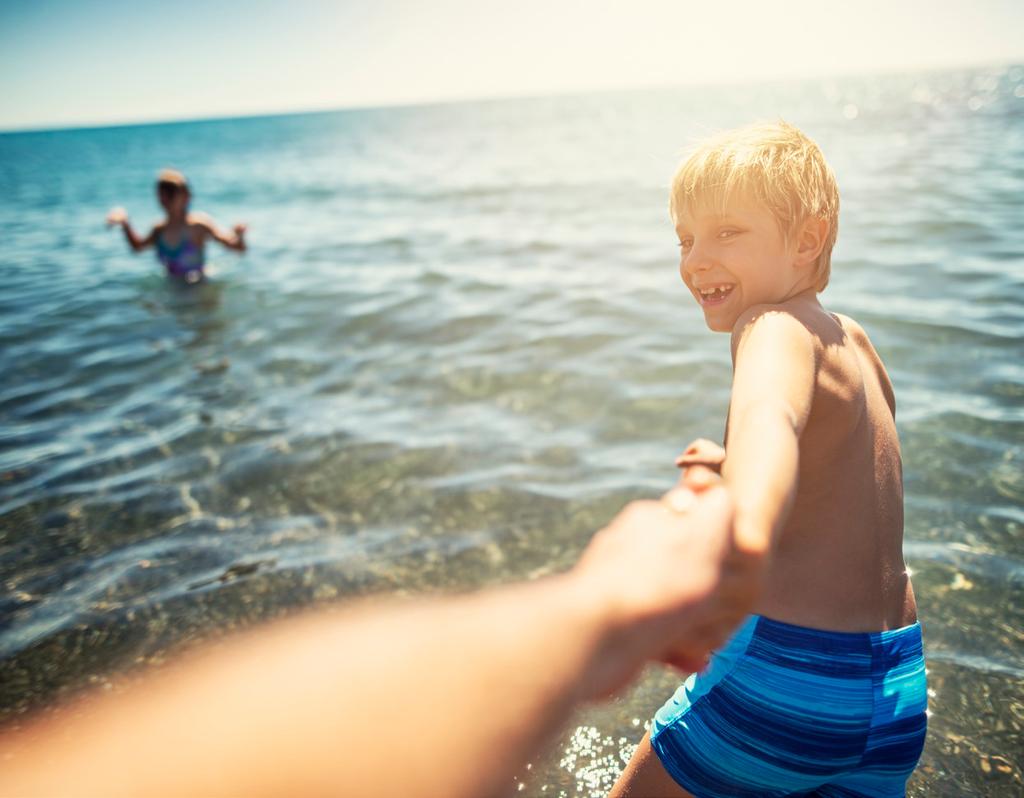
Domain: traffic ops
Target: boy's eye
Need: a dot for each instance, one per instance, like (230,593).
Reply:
(728,233)
(685,244)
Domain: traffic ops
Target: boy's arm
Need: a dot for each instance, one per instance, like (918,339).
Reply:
(138,243)
(234,240)
(773,385)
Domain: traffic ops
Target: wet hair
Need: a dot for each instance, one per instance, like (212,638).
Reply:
(775,163)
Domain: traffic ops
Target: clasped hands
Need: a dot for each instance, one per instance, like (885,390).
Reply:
(675,584)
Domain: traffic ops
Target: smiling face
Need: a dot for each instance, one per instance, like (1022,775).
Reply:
(757,212)
(734,257)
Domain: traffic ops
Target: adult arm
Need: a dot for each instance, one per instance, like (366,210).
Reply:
(442,698)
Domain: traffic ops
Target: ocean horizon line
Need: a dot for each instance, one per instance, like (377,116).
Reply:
(883,72)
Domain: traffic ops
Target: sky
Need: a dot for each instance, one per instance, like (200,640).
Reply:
(84,62)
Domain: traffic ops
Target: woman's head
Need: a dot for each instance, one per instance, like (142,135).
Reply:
(172,190)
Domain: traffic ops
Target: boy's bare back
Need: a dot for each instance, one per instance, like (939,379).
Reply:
(812,462)
(837,562)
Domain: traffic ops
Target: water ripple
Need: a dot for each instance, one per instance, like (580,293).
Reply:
(457,345)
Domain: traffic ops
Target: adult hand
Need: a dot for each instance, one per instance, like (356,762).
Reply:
(664,569)
(117,216)
(651,585)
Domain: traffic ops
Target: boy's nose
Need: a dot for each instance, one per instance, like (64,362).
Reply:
(694,261)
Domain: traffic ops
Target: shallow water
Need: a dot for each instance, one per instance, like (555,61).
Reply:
(457,346)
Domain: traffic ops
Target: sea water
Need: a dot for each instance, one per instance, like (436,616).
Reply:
(458,344)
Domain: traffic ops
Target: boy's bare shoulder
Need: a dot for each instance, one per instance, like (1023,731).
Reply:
(867,352)
(792,322)
(857,336)
(853,329)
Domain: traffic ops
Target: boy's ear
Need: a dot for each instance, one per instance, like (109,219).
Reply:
(810,240)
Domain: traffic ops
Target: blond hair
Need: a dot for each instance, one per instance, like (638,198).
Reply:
(778,165)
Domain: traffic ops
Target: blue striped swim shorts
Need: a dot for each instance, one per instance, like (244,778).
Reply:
(786,710)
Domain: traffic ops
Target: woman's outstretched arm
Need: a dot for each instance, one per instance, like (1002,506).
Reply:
(119,218)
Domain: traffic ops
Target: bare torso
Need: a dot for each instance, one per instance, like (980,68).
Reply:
(838,562)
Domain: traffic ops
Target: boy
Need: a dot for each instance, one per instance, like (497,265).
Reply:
(822,691)
(180,238)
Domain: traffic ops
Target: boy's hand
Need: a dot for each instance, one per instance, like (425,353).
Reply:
(703,459)
(702,452)
(240,230)
(117,216)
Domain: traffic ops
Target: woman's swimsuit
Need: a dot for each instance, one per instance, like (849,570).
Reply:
(184,259)
(785,710)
